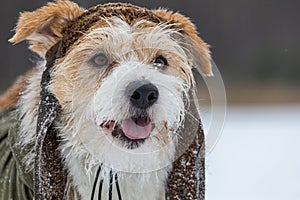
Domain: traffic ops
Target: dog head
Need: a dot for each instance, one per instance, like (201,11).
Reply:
(123,79)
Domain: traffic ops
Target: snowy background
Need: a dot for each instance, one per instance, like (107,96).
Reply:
(257,155)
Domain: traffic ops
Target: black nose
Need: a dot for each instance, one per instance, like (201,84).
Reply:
(144,96)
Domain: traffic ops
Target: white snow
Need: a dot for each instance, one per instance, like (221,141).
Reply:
(257,156)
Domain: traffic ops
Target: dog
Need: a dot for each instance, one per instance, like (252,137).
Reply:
(120,79)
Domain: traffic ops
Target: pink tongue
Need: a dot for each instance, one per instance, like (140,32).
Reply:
(137,128)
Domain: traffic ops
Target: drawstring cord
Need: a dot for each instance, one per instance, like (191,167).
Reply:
(110,185)
(95,182)
(117,186)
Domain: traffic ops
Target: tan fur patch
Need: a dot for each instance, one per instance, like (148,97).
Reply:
(202,56)
(43,27)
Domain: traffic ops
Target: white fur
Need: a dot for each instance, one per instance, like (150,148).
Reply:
(27,112)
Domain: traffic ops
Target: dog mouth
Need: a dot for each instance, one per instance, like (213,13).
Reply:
(134,131)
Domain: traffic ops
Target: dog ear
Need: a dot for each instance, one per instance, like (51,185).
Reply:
(43,27)
(195,47)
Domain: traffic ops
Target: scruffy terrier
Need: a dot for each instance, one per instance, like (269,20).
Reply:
(114,84)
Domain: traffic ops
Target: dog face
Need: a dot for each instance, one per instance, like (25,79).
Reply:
(123,87)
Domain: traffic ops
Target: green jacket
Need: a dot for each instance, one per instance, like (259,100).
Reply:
(15,182)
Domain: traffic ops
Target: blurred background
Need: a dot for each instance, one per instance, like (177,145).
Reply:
(256,46)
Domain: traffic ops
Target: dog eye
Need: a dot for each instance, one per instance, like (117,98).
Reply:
(160,62)
(100,60)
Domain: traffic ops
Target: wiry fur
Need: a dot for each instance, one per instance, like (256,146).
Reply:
(89,95)
(88,105)
(28,112)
